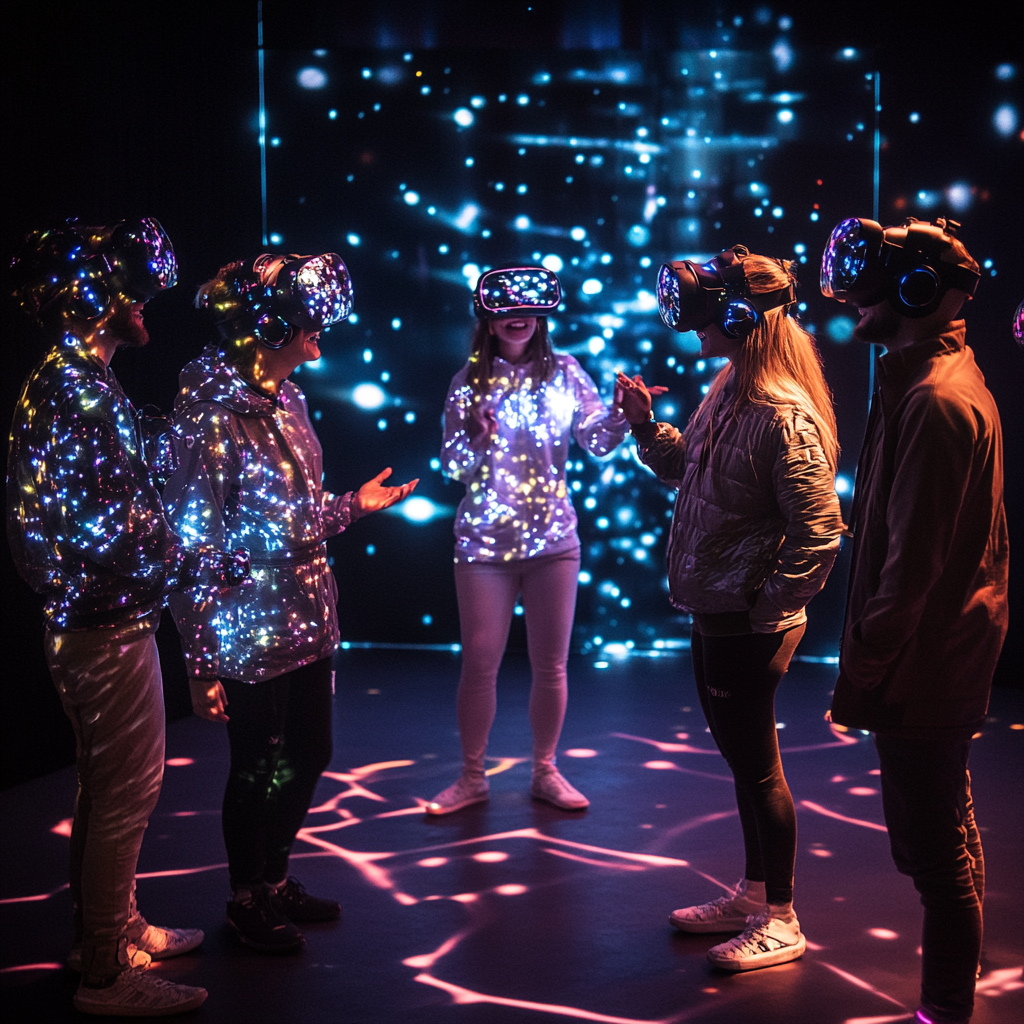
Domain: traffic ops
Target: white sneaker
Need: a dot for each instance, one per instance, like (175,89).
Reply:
(163,943)
(551,786)
(765,942)
(726,914)
(468,789)
(139,994)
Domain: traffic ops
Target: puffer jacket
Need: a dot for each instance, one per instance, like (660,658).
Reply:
(757,522)
(249,474)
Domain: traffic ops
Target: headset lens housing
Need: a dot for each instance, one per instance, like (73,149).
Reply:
(668,296)
(145,258)
(314,292)
(517,291)
(850,264)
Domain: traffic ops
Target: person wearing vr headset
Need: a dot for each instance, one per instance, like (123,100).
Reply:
(510,415)
(87,530)
(260,659)
(754,534)
(926,612)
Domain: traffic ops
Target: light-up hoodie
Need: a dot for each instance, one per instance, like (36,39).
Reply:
(85,522)
(517,502)
(249,474)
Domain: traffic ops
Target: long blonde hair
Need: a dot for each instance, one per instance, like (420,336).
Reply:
(780,362)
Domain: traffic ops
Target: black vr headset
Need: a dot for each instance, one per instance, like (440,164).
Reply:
(913,265)
(80,271)
(693,296)
(278,293)
(516,291)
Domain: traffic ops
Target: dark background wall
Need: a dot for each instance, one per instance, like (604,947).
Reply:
(121,109)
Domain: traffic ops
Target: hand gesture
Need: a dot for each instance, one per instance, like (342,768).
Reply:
(481,425)
(209,699)
(636,397)
(374,496)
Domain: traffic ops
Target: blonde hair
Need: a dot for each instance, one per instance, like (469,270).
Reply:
(780,362)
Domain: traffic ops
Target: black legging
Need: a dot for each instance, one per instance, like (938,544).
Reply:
(280,735)
(737,677)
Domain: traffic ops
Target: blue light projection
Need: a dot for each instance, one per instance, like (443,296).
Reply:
(435,166)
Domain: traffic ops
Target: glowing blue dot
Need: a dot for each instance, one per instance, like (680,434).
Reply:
(843,485)
(777,211)
(584,577)
(638,235)
(521,189)
(848,53)
(522,222)
(412,198)
(552,262)
(590,503)
(1005,119)
(371,549)
(312,78)
(784,116)
(522,99)
(592,286)
(840,329)
(435,464)
(471,272)
(369,396)
(396,324)
(624,516)
(577,234)
(427,620)
(596,345)
(332,114)
(353,239)
(914,118)
(410,417)
(276,239)
(470,161)
(602,523)
(477,102)
(814,216)
(463,117)
(367,355)
(499,186)
(443,249)
(367,73)
(799,248)
(425,90)
(1005,72)
(382,424)
(645,261)
(418,509)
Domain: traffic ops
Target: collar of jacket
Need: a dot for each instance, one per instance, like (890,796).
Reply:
(895,368)
(210,379)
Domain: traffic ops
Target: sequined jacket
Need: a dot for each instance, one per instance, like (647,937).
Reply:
(757,523)
(250,475)
(85,523)
(517,502)
(927,609)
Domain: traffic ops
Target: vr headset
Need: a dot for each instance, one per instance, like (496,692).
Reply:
(693,296)
(913,265)
(290,291)
(85,268)
(516,291)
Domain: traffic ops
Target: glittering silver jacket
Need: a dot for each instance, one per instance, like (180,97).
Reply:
(250,475)
(85,523)
(517,503)
(757,522)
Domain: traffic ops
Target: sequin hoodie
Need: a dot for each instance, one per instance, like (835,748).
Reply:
(517,502)
(757,522)
(85,522)
(249,474)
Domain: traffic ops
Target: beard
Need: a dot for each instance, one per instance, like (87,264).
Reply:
(126,325)
(879,323)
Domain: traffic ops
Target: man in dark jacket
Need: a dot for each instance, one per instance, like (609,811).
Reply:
(926,613)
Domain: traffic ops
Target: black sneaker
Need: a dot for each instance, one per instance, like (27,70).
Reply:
(292,900)
(260,925)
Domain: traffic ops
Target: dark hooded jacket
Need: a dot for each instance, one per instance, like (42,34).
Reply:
(927,610)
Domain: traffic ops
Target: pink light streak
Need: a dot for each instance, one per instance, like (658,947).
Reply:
(466,996)
(818,809)
(590,860)
(666,748)
(861,983)
(32,967)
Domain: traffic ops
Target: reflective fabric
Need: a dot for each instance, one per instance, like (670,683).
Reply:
(249,474)
(517,502)
(85,523)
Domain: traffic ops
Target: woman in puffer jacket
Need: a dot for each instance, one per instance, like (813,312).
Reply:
(754,534)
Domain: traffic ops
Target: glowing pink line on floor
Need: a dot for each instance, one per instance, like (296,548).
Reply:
(427,960)
(668,748)
(595,863)
(860,983)
(32,967)
(35,899)
(888,1019)
(466,996)
(818,809)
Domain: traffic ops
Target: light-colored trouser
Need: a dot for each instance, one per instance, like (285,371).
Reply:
(487,597)
(110,685)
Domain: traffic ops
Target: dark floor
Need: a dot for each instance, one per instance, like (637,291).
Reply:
(511,911)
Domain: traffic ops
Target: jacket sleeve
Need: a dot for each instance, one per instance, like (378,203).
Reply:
(932,475)
(110,512)
(662,449)
(199,497)
(336,512)
(804,488)
(458,460)
(599,429)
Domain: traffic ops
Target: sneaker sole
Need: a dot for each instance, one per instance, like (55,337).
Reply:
(725,924)
(752,963)
(560,806)
(436,812)
(103,1010)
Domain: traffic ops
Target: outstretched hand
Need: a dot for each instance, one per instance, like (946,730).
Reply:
(636,397)
(374,496)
